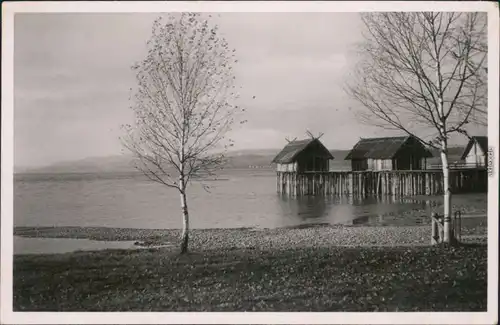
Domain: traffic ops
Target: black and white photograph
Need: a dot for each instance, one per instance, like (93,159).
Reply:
(278,157)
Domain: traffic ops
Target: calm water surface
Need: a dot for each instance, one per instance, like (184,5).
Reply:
(65,245)
(244,199)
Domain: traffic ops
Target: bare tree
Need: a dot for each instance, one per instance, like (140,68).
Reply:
(183,105)
(424,73)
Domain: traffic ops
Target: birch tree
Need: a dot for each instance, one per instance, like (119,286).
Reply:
(183,105)
(424,73)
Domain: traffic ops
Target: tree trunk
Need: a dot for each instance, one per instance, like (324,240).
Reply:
(447,231)
(185,218)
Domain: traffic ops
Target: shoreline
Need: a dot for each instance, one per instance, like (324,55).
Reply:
(316,235)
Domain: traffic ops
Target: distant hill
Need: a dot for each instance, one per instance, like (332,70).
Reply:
(339,162)
(242,159)
(124,163)
(109,164)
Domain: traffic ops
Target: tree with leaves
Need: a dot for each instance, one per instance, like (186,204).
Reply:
(424,73)
(184,105)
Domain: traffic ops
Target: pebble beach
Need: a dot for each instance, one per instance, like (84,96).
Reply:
(263,239)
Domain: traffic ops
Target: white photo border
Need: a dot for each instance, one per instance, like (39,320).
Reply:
(7,316)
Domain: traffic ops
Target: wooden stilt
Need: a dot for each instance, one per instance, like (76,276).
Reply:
(395,183)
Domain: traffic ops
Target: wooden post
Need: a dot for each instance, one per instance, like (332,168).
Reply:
(459,233)
(431,184)
(386,183)
(400,185)
(310,189)
(362,184)
(334,184)
(415,183)
(330,183)
(422,184)
(378,183)
(426,184)
(351,185)
(434,232)
(436,229)
(338,180)
(341,180)
(344,184)
(393,185)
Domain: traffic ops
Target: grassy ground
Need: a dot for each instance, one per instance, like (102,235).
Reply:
(293,279)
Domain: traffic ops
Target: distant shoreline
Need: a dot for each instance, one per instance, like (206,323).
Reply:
(238,159)
(138,173)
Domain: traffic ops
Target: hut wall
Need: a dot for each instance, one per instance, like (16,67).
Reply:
(408,162)
(292,167)
(313,159)
(424,163)
(370,164)
(359,164)
(410,156)
(476,156)
(381,164)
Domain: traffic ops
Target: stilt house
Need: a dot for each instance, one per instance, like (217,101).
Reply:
(475,153)
(301,156)
(389,153)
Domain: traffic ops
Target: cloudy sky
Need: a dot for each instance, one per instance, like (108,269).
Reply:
(72,75)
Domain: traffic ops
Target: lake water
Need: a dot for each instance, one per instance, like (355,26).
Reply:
(239,199)
(65,245)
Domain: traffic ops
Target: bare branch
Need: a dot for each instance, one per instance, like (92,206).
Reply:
(422,71)
(183,102)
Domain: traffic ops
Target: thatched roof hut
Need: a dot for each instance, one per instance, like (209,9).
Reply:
(388,153)
(476,151)
(302,156)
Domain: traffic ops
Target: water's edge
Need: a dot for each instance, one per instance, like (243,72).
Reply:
(53,240)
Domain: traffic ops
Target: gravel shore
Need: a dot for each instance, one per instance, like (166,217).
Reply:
(261,239)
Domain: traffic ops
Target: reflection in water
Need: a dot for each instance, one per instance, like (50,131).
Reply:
(306,209)
(65,245)
(383,210)
(360,220)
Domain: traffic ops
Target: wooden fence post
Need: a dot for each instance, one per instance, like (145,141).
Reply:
(436,229)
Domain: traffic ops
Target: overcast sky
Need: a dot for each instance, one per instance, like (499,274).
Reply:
(72,75)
